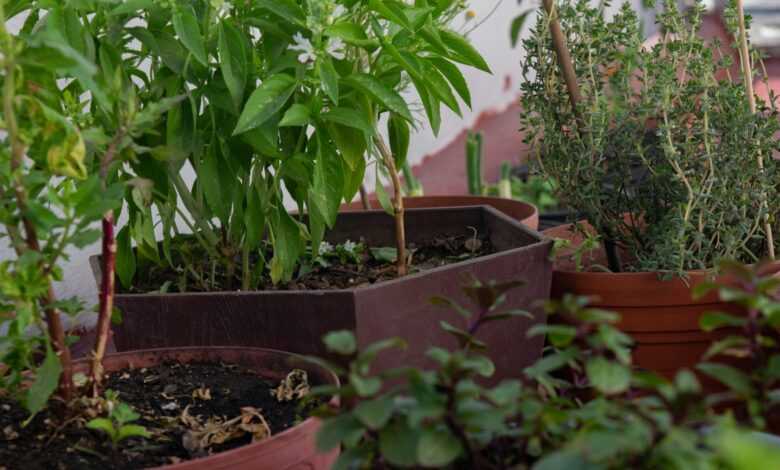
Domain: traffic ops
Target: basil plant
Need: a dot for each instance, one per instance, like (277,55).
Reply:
(283,98)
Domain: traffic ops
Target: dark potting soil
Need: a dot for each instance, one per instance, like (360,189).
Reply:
(183,407)
(338,273)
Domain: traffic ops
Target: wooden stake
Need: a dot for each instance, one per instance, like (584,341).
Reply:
(747,74)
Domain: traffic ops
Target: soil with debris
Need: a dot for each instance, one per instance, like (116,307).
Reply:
(363,270)
(190,410)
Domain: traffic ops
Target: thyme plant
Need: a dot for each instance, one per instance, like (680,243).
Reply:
(660,153)
(282,97)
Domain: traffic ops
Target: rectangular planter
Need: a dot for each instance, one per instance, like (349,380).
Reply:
(295,321)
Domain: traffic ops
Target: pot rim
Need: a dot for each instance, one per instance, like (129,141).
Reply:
(162,352)
(539,239)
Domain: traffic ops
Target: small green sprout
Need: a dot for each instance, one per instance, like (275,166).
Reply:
(117,425)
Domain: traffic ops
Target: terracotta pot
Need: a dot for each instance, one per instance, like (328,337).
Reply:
(293,449)
(523,212)
(661,316)
(296,321)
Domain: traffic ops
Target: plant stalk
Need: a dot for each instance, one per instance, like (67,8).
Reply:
(566,65)
(747,73)
(364,198)
(564,58)
(108,281)
(398,204)
(53,320)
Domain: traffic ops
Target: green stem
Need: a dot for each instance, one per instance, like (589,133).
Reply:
(193,208)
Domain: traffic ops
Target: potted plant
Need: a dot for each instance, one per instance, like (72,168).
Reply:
(68,124)
(290,101)
(581,406)
(669,165)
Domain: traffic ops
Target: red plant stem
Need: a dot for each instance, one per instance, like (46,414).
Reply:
(108,280)
(107,285)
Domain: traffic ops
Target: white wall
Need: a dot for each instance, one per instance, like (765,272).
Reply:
(489,92)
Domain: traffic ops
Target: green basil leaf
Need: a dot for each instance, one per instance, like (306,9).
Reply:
(185,23)
(266,101)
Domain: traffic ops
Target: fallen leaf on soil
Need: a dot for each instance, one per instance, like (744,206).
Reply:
(201,393)
(253,422)
(201,436)
(293,387)
(169,406)
(9,433)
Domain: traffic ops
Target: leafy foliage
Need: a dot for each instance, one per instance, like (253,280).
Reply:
(68,102)
(283,97)
(579,406)
(660,154)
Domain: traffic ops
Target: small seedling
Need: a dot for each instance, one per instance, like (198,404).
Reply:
(117,426)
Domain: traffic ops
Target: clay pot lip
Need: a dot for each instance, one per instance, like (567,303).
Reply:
(443,201)
(161,353)
(636,277)
(539,239)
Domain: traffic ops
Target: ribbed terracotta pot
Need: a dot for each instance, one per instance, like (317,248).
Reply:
(661,316)
(523,212)
(293,449)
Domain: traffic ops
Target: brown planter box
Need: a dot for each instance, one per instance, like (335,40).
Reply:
(296,321)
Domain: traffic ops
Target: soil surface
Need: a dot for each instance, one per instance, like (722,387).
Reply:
(188,409)
(327,272)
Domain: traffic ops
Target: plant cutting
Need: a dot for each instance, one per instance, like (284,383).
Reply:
(581,406)
(289,102)
(71,117)
(660,155)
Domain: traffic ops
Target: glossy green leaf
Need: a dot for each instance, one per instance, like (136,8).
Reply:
(380,92)
(349,117)
(132,6)
(383,197)
(517,26)
(233,60)
(47,378)
(399,137)
(341,342)
(733,378)
(336,430)
(125,257)
(265,101)
(185,23)
(329,78)
(288,10)
(462,51)
(607,376)
(375,413)
(391,10)
(399,443)
(288,245)
(453,74)
(297,115)
(437,447)
(351,33)
(714,320)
